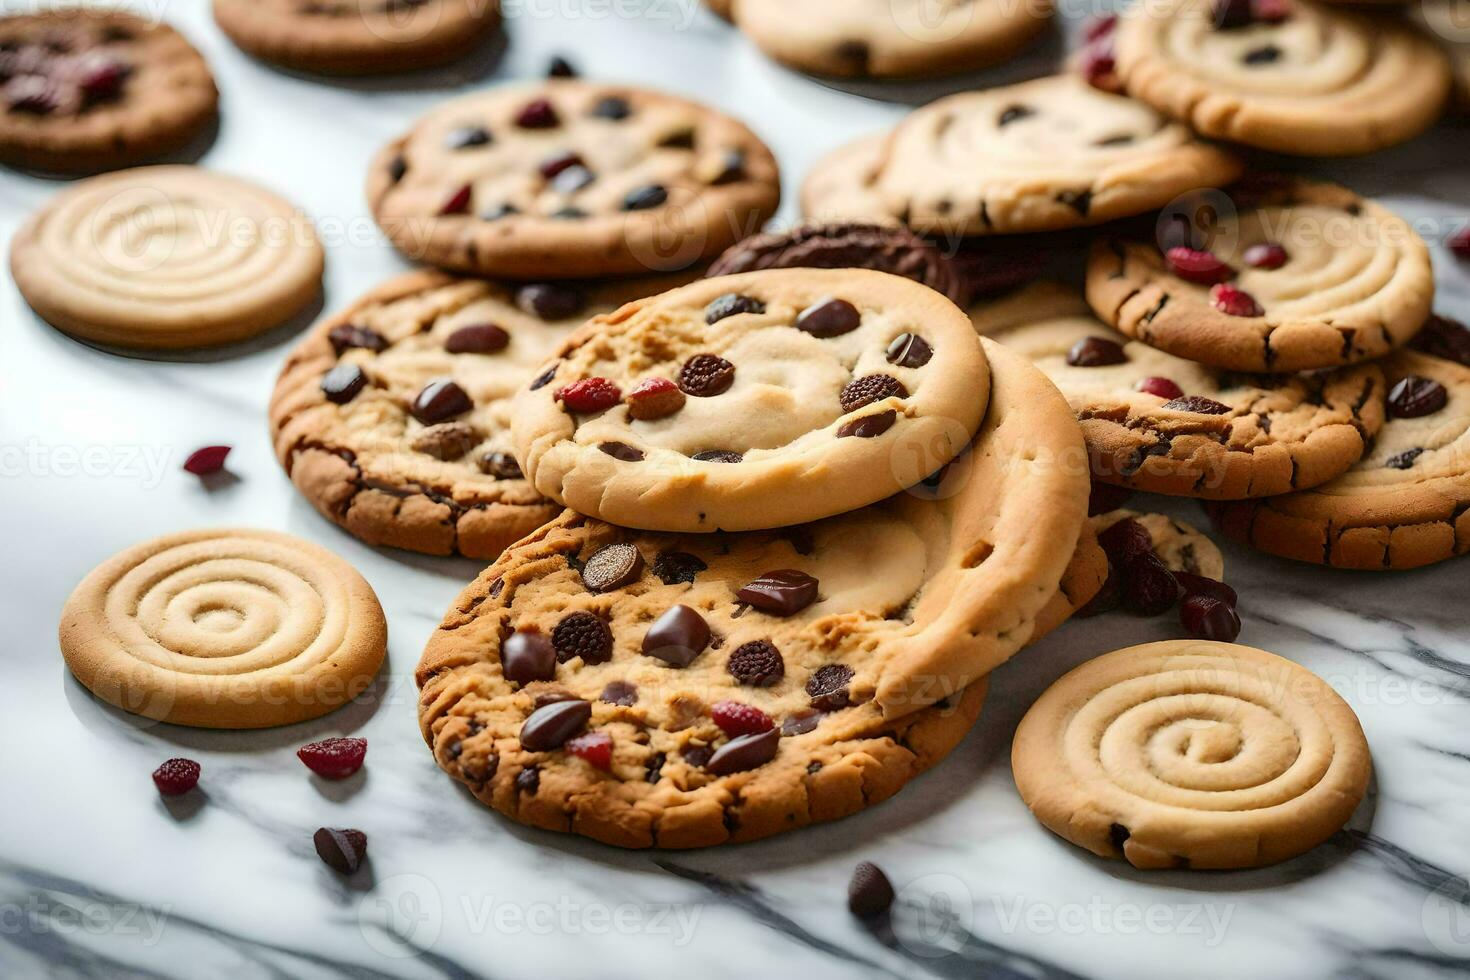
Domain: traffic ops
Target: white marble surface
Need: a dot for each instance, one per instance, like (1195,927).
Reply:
(99,878)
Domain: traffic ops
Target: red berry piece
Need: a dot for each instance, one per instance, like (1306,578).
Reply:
(1234,302)
(458,202)
(176,776)
(1266,255)
(210,459)
(1459,242)
(735,718)
(334,758)
(1099,65)
(538,114)
(1209,618)
(1197,265)
(1125,541)
(1150,588)
(1096,352)
(1162,387)
(1199,585)
(589,395)
(595,747)
(654,398)
(1099,27)
(1271,11)
(341,850)
(559,162)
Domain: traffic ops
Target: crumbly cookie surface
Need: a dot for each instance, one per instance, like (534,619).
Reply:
(1295,276)
(759,400)
(571,179)
(1161,423)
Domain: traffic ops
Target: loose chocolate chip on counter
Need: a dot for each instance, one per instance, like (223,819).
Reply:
(1197,404)
(744,753)
(801,722)
(1012,113)
(538,114)
(341,850)
(706,375)
(551,725)
(1096,352)
(718,456)
(343,383)
(873,388)
(643,198)
(783,592)
(467,137)
(729,305)
(757,664)
(677,637)
(502,466)
(477,338)
(1414,397)
(447,440)
(621,693)
(622,451)
(675,567)
(612,107)
(439,401)
(585,635)
(612,567)
(869,894)
(345,336)
(1209,618)
(869,426)
(1404,460)
(526,656)
(1199,585)
(909,350)
(1444,338)
(560,67)
(550,301)
(829,318)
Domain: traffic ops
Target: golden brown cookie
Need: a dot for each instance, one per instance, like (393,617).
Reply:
(224,629)
(842,185)
(1191,754)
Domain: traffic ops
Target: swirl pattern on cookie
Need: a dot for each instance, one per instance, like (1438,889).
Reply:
(224,629)
(167,257)
(1448,23)
(1316,80)
(753,401)
(1164,424)
(1046,154)
(1190,753)
(1294,276)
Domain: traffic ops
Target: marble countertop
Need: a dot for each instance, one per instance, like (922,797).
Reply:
(98,877)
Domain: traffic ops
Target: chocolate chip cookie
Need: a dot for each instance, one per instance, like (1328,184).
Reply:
(1406,504)
(754,401)
(842,185)
(87,90)
(1294,275)
(357,37)
(680,690)
(1161,423)
(571,179)
(1295,77)
(393,416)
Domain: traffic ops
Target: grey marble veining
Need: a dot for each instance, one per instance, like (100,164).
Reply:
(99,877)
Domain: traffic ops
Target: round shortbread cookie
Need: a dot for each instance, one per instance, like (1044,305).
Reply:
(571,179)
(82,91)
(1189,753)
(357,37)
(360,439)
(1315,80)
(754,401)
(889,38)
(166,257)
(1294,276)
(1448,23)
(224,629)
(1042,155)
(1164,424)
(838,632)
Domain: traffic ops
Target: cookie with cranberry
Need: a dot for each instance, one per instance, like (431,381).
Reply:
(1158,422)
(753,401)
(86,90)
(1291,76)
(1404,505)
(680,690)
(393,416)
(357,37)
(571,179)
(1293,275)
(1179,545)
(889,38)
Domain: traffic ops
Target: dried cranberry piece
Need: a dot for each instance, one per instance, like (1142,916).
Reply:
(458,202)
(538,114)
(1125,541)
(1233,301)
(735,718)
(1149,587)
(757,664)
(1099,27)
(176,776)
(334,758)
(1209,618)
(210,459)
(1099,64)
(1459,242)
(341,850)
(589,395)
(654,398)
(1414,397)
(1105,497)
(1265,255)
(1161,387)
(1199,585)
(1096,352)
(595,747)
(1197,265)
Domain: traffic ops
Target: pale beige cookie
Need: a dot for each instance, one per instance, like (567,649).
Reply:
(570,179)
(1042,155)
(754,401)
(1319,81)
(226,628)
(1191,754)
(428,472)
(357,37)
(1158,422)
(1448,23)
(1180,545)
(1296,276)
(836,632)
(889,38)
(842,184)
(89,90)
(166,257)
(1405,505)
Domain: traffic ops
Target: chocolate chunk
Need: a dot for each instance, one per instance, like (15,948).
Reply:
(802,722)
(744,753)
(544,378)
(622,451)
(439,401)
(643,198)
(783,592)
(1444,338)
(1096,352)
(526,656)
(1197,403)
(1118,835)
(675,567)
(828,687)
(829,318)
(873,388)
(869,426)
(706,375)
(345,336)
(502,466)
(729,305)
(467,137)
(528,780)
(341,850)
(909,350)
(1404,460)
(1264,55)
(1149,587)
(343,383)
(1414,397)
(677,637)
(757,664)
(550,301)
(612,107)
(585,635)
(612,567)
(1012,113)
(696,755)
(551,725)
(477,338)
(718,456)
(447,440)
(621,693)
(727,168)
(869,894)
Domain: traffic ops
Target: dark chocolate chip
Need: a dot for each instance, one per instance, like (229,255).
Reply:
(1414,397)
(622,451)
(677,637)
(873,388)
(1264,55)
(909,350)
(447,440)
(679,139)
(783,592)
(569,213)
(729,305)
(345,336)
(341,850)
(560,68)
(718,456)
(477,338)
(550,301)
(869,426)
(1118,835)
(869,894)
(528,780)
(696,755)
(1197,403)
(675,567)
(828,687)
(551,725)
(829,318)
(502,466)
(612,567)
(1404,460)
(801,722)
(544,378)
(439,401)
(343,383)
(706,375)
(467,137)
(1096,352)
(1444,338)
(643,198)
(622,693)
(744,753)
(1079,201)
(1012,113)
(527,657)
(585,635)
(612,107)
(397,167)
(757,664)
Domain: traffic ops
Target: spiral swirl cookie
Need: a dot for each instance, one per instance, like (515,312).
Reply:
(166,257)
(1404,505)
(357,37)
(393,416)
(1448,23)
(1190,753)
(754,401)
(1158,422)
(687,689)
(889,38)
(571,179)
(1046,154)
(224,629)
(1295,276)
(1300,78)
(89,90)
